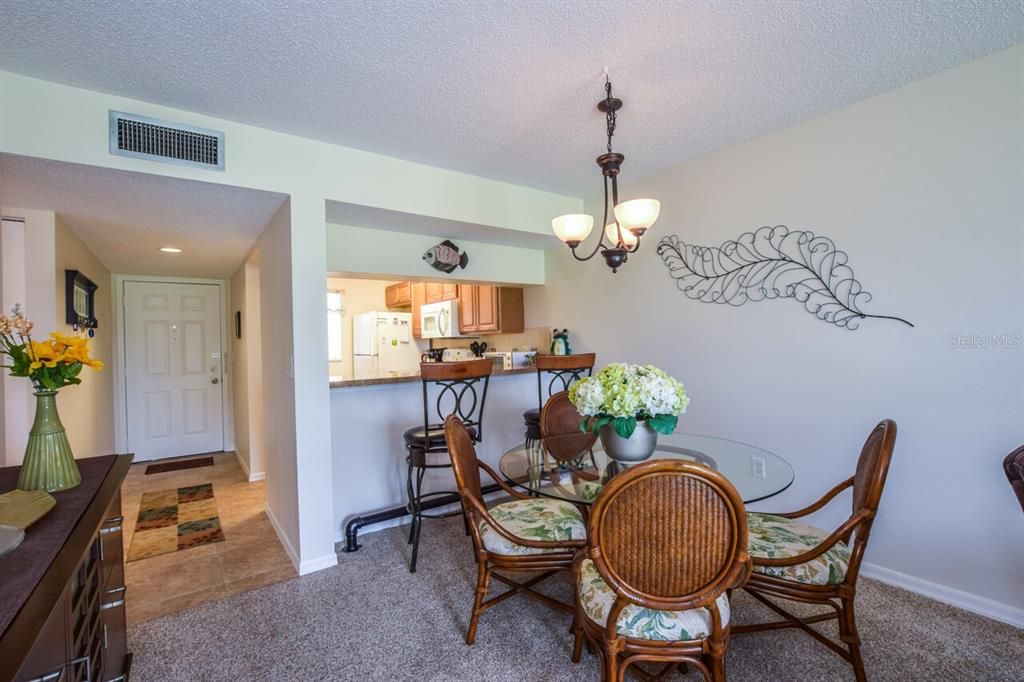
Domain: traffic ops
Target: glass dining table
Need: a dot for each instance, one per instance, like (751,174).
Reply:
(574,467)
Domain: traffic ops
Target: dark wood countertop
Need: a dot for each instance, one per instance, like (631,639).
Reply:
(352,383)
(35,573)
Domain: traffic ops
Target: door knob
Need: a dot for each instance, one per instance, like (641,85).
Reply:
(215,380)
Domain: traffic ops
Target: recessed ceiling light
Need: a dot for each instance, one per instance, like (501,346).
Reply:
(170,249)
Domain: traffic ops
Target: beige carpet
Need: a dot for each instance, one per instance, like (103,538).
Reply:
(369,619)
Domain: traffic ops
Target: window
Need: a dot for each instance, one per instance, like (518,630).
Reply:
(335,316)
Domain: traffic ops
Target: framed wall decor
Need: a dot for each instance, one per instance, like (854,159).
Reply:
(79,300)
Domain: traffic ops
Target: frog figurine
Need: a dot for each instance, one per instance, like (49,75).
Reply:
(560,342)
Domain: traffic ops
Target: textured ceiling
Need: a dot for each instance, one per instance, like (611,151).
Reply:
(125,217)
(505,89)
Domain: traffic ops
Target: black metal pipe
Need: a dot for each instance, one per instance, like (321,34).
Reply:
(361,520)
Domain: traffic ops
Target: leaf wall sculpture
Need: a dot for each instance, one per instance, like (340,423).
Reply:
(771,262)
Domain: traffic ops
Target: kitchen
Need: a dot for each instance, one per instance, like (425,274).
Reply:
(379,331)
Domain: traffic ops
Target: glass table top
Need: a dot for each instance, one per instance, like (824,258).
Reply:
(574,467)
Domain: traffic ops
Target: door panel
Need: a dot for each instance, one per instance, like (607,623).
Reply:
(173,368)
(487,309)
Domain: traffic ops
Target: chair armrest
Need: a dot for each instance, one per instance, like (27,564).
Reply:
(821,547)
(825,499)
(476,506)
(501,483)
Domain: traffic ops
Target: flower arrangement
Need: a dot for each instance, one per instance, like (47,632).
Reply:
(51,364)
(622,395)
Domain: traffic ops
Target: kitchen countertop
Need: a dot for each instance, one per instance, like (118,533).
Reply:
(413,376)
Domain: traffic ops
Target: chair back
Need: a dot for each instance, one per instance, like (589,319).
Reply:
(873,466)
(559,416)
(561,371)
(669,535)
(463,454)
(460,389)
(1013,465)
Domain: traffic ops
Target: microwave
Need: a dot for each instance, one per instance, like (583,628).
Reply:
(439,320)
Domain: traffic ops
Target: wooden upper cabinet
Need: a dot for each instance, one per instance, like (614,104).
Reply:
(467,309)
(398,295)
(442,291)
(418,296)
(490,310)
(487,309)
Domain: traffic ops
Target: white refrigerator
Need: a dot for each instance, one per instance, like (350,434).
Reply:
(383,345)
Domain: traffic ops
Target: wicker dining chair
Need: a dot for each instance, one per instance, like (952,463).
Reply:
(806,564)
(528,534)
(1013,466)
(666,540)
(560,372)
(559,417)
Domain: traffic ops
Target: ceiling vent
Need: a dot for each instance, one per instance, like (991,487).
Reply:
(141,137)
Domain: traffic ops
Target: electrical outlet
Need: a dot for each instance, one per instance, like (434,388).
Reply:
(757,467)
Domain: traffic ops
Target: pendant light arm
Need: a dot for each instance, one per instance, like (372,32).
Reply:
(604,221)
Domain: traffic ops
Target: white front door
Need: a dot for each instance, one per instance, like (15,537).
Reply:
(173,362)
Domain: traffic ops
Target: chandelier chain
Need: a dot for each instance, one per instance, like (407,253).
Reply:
(609,111)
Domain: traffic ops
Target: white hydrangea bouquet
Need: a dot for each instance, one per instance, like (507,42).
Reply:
(623,395)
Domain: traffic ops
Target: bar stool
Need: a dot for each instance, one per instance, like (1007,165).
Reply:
(561,371)
(457,390)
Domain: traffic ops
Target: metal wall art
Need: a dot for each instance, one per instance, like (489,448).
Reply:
(771,262)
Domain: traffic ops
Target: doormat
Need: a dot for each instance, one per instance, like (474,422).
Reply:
(173,520)
(193,463)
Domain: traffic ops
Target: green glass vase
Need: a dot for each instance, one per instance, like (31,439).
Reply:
(48,464)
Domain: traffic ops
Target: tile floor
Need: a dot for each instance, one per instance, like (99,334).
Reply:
(250,556)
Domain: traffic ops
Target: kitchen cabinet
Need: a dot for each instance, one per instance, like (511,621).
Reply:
(441,291)
(490,310)
(398,295)
(418,295)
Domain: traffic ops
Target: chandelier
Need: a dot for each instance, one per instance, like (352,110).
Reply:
(631,218)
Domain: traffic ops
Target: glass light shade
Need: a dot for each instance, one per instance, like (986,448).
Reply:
(637,215)
(573,228)
(611,231)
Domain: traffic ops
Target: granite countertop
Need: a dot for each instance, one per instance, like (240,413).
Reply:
(413,376)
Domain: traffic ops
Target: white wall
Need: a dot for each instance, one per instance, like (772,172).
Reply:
(87,410)
(360,250)
(922,187)
(246,370)
(369,453)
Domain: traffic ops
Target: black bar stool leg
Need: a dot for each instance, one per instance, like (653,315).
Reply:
(410,497)
(417,518)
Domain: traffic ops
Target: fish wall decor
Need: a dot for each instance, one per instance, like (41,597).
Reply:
(446,257)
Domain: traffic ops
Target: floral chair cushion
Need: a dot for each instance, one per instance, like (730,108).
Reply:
(774,537)
(534,519)
(638,622)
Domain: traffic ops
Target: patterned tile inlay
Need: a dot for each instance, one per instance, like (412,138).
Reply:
(172,520)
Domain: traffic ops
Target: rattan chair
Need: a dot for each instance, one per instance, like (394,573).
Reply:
(534,535)
(559,417)
(1013,465)
(806,564)
(666,540)
(560,372)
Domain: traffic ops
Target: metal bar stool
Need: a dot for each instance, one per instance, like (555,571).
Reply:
(460,389)
(560,371)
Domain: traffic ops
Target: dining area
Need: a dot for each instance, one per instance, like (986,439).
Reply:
(642,527)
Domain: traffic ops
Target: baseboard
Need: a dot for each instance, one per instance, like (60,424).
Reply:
(318,564)
(285,542)
(947,595)
(258,476)
(242,463)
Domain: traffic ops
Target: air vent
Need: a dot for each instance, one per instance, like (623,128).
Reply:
(141,137)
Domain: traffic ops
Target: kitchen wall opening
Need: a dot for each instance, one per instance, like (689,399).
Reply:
(384,328)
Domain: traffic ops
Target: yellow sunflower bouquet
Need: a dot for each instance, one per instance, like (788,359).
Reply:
(51,364)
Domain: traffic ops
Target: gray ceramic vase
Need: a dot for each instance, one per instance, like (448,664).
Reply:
(636,448)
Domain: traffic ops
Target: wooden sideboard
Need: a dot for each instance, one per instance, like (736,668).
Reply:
(62,602)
